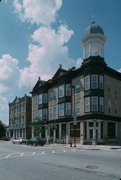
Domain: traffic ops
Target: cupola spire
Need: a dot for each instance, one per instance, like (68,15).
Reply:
(93,41)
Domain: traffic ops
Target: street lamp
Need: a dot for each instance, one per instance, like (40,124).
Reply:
(74,116)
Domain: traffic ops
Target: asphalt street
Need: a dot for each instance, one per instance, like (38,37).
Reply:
(21,162)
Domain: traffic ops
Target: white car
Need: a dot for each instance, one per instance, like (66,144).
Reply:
(19,141)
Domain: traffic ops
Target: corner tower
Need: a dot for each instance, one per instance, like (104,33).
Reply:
(93,41)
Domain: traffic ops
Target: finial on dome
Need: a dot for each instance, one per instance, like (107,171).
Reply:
(93,19)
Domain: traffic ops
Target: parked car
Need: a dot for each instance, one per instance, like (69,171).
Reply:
(36,141)
(19,141)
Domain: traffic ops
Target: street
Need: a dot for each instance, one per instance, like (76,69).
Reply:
(21,162)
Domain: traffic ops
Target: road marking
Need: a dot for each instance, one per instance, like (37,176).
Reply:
(8,156)
(53,151)
(43,152)
(7,150)
(21,154)
(64,151)
(33,153)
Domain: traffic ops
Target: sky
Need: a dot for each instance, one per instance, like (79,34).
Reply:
(38,35)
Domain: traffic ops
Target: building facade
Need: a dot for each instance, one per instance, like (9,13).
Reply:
(20,117)
(84,103)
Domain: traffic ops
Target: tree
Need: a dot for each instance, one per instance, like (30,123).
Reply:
(2,129)
(38,126)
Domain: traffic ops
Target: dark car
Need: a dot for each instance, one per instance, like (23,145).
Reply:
(36,141)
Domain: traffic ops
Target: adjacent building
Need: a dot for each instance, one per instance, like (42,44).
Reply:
(83,103)
(20,117)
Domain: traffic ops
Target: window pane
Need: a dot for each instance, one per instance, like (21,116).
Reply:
(68,108)
(40,99)
(54,111)
(50,112)
(94,81)
(40,113)
(77,87)
(109,86)
(68,89)
(109,105)
(101,81)
(44,113)
(61,109)
(45,99)
(87,82)
(77,106)
(101,104)
(94,103)
(87,104)
(61,91)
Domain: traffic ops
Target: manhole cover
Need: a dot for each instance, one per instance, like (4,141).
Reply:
(92,167)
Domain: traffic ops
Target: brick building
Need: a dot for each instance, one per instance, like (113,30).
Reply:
(20,117)
(83,103)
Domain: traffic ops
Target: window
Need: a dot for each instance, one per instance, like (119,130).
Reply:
(54,111)
(44,113)
(40,113)
(61,109)
(45,99)
(87,104)
(112,129)
(94,103)
(77,106)
(68,89)
(109,105)
(68,108)
(53,95)
(101,82)
(101,104)
(109,86)
(35,114)
(40,98)
(35,102)
(116,107)
(50,112)
(116,90)
(87,82)
(94,81)
(61,91)
(77,87)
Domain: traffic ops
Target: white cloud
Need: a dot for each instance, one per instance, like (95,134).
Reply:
(4,109)
(9,73)
(79,62)
(119,70)
(38,11)
(45,57)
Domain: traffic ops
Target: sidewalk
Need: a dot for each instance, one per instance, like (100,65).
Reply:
(86,147)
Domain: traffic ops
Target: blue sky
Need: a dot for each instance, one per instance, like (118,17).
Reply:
(37,35)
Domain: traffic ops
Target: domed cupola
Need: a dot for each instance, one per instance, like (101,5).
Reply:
(93,41)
